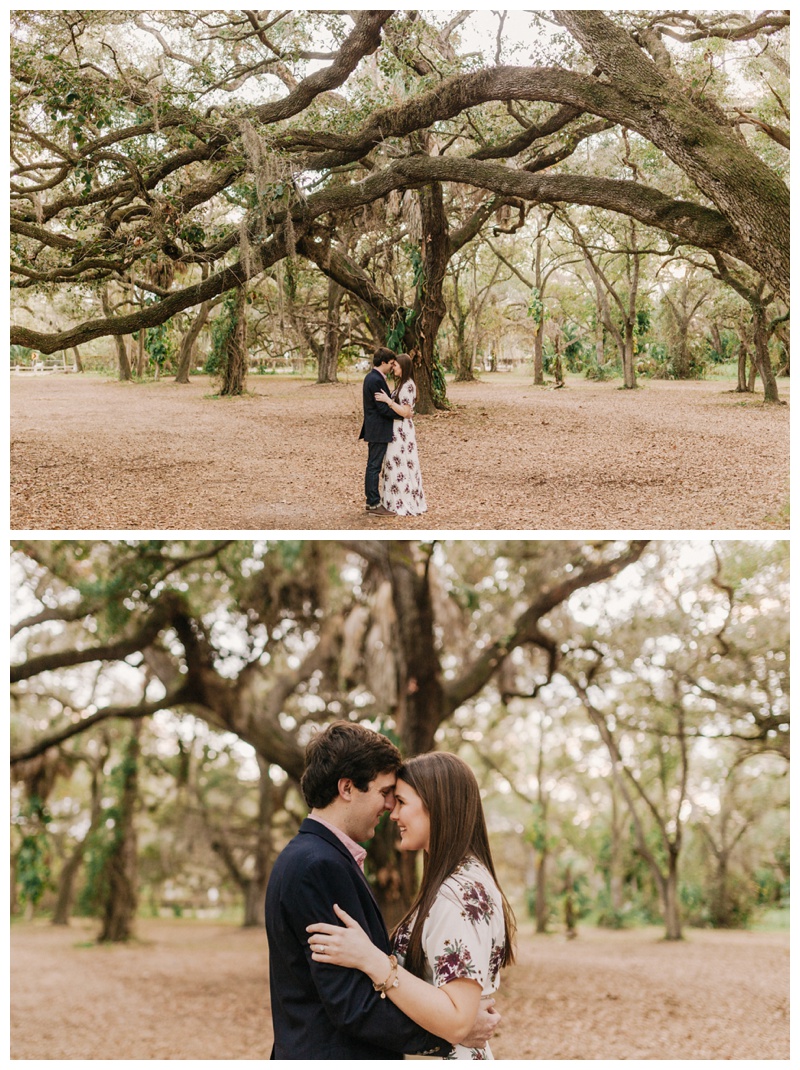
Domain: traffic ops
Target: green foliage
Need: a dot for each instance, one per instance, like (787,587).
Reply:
(400,323)
(33,866)
(159,344)
(535,309)
(727,352)
(104,842)
(601,373)
(119,581)
(536,834)
(223,328)
(439,385)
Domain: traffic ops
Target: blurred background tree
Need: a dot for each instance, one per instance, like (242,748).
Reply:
(623,703)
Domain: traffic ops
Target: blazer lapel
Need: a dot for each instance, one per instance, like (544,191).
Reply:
(316,828)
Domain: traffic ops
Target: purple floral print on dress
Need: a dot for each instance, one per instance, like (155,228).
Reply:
(401,939)
(455,962)
(495,962)
(478,904)
(402,490)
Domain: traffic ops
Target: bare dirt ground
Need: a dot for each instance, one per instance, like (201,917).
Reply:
(198,990)
(90,453)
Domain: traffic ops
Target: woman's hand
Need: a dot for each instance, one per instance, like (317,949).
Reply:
(384,397)
(346,945)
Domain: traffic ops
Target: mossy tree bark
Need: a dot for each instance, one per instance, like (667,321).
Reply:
(234,368)
(119,910)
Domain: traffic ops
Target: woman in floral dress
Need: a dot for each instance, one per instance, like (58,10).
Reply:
(446,963)
(402,491)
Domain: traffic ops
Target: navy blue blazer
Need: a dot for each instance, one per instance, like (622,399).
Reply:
(321,1011)
(378,425)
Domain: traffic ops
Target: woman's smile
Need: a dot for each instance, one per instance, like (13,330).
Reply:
(412,819)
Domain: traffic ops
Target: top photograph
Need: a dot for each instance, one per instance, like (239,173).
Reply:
(399,270)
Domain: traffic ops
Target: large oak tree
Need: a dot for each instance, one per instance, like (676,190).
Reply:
(189,168)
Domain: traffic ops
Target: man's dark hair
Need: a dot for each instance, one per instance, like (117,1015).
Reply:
(345,749)
(382,355)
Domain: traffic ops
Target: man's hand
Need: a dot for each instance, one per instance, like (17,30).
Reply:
(484,1026)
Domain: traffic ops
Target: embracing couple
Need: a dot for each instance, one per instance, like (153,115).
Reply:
(340,987)
(388,429)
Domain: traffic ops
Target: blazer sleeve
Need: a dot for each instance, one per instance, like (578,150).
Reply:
(379,383)
(347,995)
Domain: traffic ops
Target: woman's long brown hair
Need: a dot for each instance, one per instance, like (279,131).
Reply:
(406,370)
(450,793)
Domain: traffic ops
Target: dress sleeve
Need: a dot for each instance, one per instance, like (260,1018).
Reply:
(410,394)
(457,937)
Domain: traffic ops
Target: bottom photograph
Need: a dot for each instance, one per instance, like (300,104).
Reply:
(381,799)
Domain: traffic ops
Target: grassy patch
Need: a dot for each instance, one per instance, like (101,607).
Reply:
(779,519)
(776,920)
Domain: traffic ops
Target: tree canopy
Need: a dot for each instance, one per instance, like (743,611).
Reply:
(187,153)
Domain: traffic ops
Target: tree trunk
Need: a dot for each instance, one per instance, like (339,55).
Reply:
(429,304)
(538,339)
(141,357)
(615,875)
(741,363)
(66,886)
(120,906)
(538,354)
(763,361)
(671,904)
(78,361)
(123,361)
(628,370)
(328,363)
(421,705)
(257,887)
(782,333)
(66,882)
(542,912)
(599,340)
(234,372)
(186,354)
(464,372)
(629,357)
(540,838)
(720,906)
(558,364)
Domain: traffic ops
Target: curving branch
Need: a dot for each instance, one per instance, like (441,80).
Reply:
(142,709)
(693,224)
(527,630)
(114,650)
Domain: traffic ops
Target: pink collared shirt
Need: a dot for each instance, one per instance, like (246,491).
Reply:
(355,849)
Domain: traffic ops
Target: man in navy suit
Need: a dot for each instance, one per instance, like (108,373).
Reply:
(377,428)
(321,1011)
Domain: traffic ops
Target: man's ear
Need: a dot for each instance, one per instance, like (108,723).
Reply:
(346,788)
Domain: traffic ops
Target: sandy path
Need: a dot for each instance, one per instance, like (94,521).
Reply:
(198,990)
(89,453)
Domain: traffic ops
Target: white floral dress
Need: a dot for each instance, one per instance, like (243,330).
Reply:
(463,936)
(402,479)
